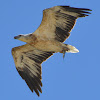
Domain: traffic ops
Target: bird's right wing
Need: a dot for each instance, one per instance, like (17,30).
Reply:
(28,63)
(58,21)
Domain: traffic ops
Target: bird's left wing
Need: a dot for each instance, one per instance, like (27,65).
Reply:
(28,63)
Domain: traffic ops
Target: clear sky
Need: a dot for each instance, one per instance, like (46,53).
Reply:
(77,77)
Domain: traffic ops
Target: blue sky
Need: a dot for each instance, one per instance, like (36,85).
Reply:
(77,77)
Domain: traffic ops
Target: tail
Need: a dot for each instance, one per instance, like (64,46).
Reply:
(70,49)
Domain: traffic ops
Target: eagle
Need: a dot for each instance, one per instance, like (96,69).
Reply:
(57,22)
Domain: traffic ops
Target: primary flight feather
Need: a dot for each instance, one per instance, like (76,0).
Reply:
(54,29)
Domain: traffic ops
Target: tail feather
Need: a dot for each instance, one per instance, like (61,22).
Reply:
(71,49)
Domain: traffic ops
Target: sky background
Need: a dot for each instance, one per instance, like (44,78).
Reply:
(77,77)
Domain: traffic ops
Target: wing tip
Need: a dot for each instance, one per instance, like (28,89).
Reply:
(82,12)
(33,82)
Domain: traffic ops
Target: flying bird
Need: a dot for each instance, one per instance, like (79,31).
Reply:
(57,22)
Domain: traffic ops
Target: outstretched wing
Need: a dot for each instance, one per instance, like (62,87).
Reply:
(28,63)
(58,21)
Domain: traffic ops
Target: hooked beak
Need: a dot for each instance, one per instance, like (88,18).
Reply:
(16,37)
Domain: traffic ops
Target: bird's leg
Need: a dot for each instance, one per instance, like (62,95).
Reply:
(63,53)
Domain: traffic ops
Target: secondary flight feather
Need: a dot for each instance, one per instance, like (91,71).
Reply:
(54,29)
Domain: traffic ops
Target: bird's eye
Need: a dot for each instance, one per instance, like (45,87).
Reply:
(20,35)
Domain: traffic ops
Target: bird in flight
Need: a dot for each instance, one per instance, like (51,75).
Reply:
(54,29)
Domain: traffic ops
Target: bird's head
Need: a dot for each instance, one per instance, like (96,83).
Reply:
(24,38)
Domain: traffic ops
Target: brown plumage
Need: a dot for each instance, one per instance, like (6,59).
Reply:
(54,29)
